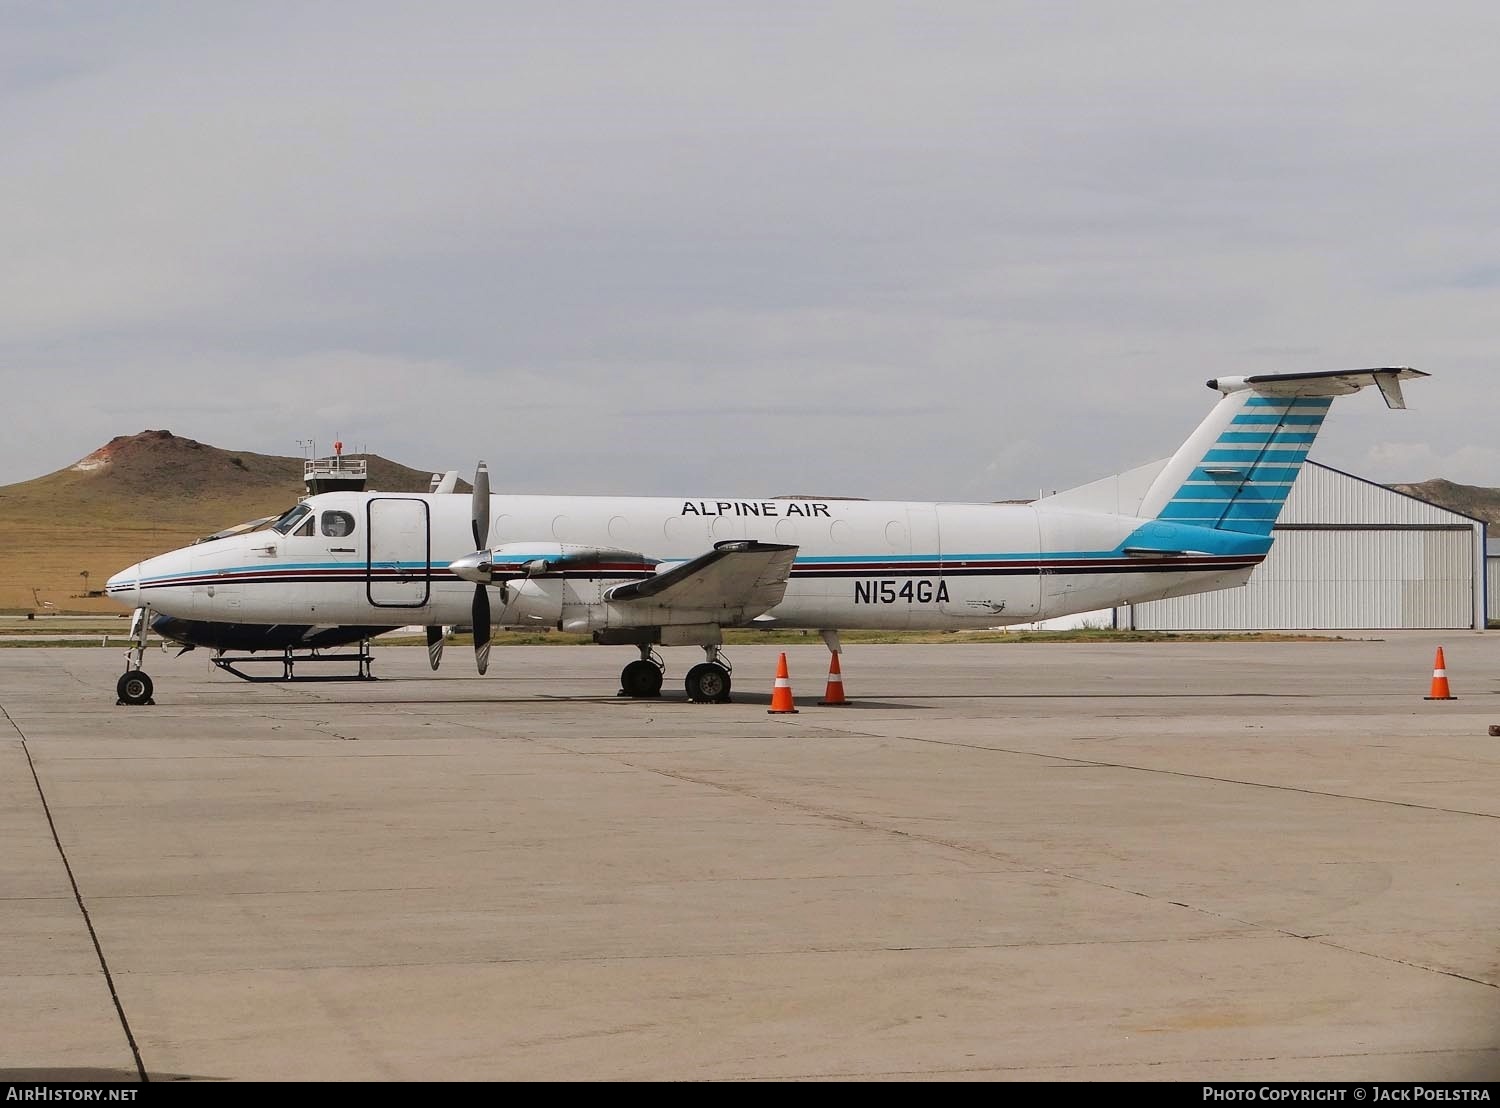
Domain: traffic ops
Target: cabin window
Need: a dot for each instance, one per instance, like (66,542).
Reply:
(337,524)
(306,530)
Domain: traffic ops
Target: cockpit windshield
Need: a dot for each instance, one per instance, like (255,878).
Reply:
(289,520)
(237,529)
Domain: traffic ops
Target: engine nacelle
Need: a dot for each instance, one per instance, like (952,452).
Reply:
(534,602)
(549,557)
(483,567)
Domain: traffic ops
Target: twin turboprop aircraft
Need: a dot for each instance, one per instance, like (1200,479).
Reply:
(647,572)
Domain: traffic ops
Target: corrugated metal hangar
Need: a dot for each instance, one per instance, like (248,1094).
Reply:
(1492,579)
(1349,554)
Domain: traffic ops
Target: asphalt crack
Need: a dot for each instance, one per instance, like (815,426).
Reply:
(114,996)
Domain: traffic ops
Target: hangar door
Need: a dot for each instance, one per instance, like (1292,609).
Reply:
(1318,578)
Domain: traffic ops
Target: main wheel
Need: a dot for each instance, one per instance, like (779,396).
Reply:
(134,687)
(708,682)
(640,678)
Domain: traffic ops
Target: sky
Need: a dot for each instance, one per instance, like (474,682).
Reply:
(950,250)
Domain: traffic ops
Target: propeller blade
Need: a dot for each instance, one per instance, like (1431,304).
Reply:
(434,646)
(481,505)
(481,628)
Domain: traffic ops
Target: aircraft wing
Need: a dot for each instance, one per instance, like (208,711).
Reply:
(750,576)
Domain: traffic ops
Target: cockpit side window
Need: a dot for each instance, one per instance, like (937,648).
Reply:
(337,524)
(306,529)
(291,518)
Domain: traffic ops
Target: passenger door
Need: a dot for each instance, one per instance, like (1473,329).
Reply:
(398,552)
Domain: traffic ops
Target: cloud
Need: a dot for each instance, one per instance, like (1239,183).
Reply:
(676,246)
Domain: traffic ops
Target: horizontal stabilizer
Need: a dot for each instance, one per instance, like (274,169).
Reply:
(733,575)
(1324,382)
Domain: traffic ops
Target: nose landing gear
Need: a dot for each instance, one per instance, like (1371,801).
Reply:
(134,687)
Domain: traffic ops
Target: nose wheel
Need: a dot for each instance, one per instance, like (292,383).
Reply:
(134,687)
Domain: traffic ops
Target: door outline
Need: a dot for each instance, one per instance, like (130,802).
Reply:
(414,576)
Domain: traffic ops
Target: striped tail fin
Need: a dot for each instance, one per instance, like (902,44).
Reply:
(1236,470)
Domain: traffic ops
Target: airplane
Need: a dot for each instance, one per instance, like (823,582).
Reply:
(354,563)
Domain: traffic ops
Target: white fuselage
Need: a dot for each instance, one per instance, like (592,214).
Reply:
(859,564)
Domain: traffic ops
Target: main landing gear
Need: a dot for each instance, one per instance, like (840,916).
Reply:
(642,677)
(706,683)
(134,687)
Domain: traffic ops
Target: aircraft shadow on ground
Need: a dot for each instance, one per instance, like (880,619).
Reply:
(555,698)
(865,703)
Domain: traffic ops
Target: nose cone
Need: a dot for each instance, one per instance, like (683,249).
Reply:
(125,586)
(478,567)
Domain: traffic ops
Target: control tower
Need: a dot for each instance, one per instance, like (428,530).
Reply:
(335,474)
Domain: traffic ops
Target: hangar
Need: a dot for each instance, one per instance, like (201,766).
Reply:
(1349,554)
(1492,579)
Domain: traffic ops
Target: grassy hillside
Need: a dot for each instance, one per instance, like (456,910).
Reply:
(1472,500)
(137,496)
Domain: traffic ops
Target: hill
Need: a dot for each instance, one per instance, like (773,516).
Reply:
(64,534)
(1472,500)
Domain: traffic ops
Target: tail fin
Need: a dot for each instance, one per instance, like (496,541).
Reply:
(1236,470)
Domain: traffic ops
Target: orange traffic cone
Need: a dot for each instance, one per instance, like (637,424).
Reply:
(834,696)
(1440,679)
(781,693)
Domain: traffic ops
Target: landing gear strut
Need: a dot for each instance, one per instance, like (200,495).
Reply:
(642,677)
(708,682)
(134,687)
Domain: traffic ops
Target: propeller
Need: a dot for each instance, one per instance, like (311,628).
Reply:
(436,636)
(481,611)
